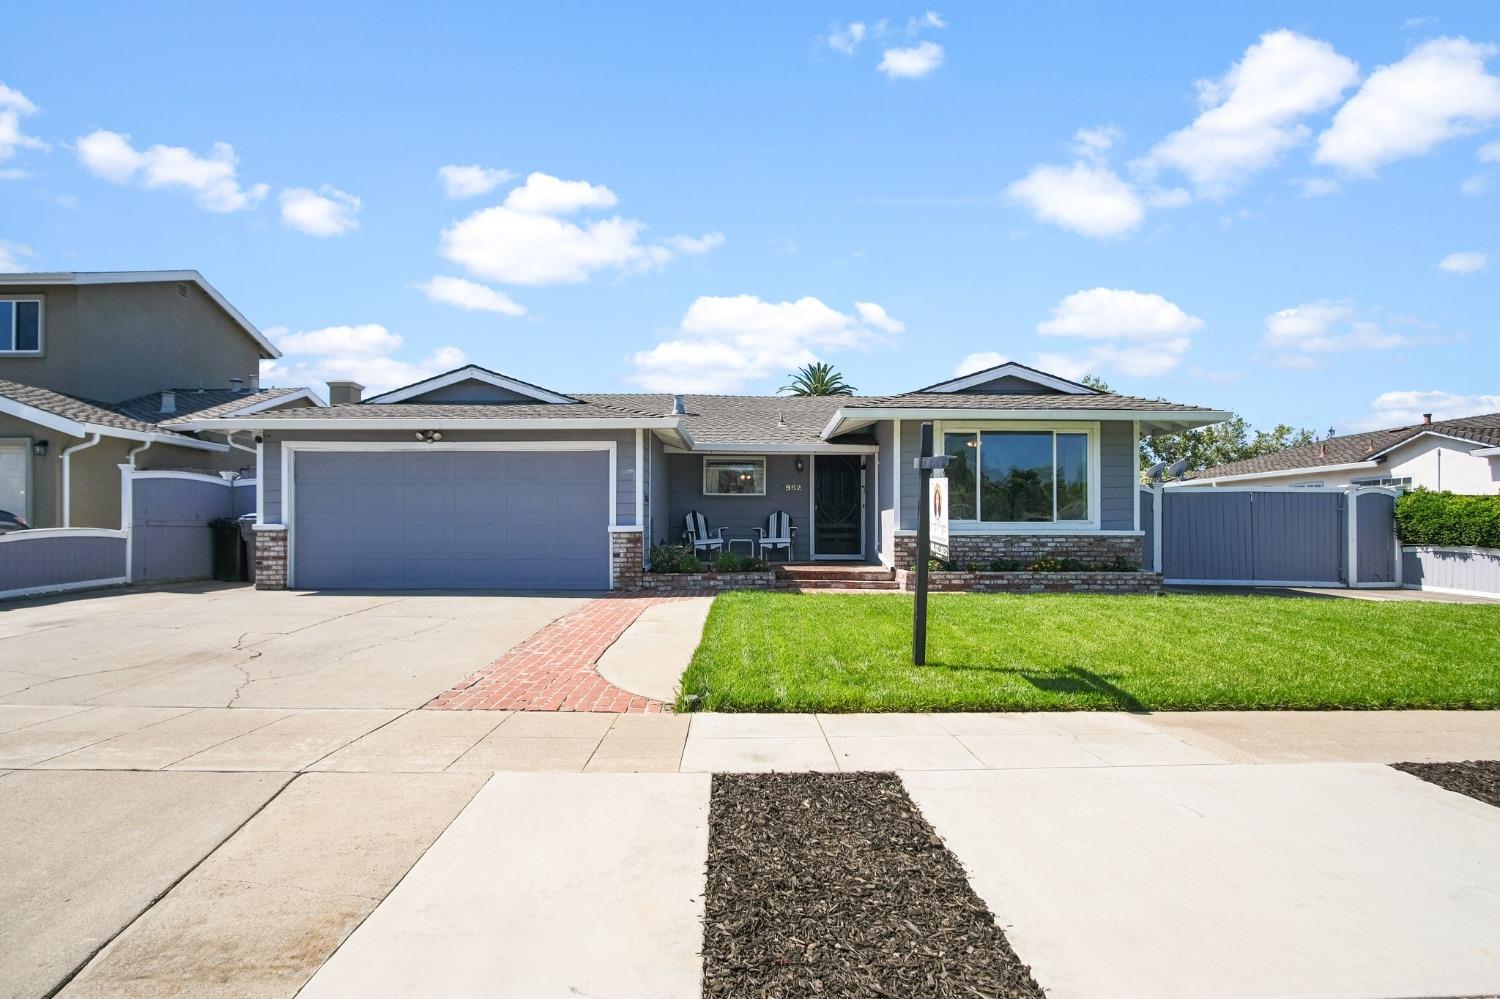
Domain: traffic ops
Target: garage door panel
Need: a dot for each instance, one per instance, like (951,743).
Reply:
(464,519)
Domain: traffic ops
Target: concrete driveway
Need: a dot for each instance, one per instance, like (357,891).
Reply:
(231,646)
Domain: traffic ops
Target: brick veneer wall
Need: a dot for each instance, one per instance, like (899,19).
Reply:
(708,582)
(982,549)
(626,558)
(1034,582)
(270,557)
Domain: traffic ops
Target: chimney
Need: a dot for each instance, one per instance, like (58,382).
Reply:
(344,393)
(1426,417)
(236,385)
(169,401)
(679,405)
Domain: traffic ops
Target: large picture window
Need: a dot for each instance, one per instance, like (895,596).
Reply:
(1018,476)
(734,476)
(20,326)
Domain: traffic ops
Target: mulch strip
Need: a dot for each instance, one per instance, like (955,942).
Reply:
(1479,779)
(834,885)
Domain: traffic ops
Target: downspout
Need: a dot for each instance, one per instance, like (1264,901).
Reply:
(67,476)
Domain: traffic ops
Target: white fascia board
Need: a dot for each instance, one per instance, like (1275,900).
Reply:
(1487,452)
(1184,418)
(1353,466)
(469,373)
(42,418)
(1013,370)
(754,447)
(231,424)
(1418,436)
(75,428)
(176,440)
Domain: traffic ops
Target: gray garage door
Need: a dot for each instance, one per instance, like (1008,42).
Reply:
(452,520)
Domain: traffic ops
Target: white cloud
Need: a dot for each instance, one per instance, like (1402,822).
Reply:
(543,194)
(1253,113)
(324,212)
(931,19)
(213,179)
(876,316)
(1475,185)
(525,241)
(1093,143)
(472,180)
(911,63)
(11,255)
(1437,92)
(470,295)
(1401,409)
(847,38)
(694,245)
(353,353)
(1464,262)
(725,344)
(1318,187)
(1303,334)
(1489,152)
(1146,334)
(1087,198)
(978,361)
(14,106)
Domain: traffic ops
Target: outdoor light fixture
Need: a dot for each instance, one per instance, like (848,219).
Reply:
(429,436)
(799,464)
(39,448)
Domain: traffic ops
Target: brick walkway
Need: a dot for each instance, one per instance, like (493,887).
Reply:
(553,670)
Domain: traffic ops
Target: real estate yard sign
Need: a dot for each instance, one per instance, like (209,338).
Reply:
(937,504)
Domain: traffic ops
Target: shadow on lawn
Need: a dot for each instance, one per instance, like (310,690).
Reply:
(1067,681)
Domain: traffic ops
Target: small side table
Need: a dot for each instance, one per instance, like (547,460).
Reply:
(749,544)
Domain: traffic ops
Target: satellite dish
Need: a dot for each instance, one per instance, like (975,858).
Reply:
(1178,467)
(1154,472)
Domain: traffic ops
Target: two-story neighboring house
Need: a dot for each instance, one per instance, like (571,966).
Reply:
(93,369)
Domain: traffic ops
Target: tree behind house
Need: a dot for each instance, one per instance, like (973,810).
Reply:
(818,378)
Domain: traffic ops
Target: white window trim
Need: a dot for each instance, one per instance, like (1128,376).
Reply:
(41,325)
(1091,429)
(732,459)
(289,449)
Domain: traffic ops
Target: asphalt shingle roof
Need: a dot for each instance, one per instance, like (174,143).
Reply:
(1350,448)
(585,410)
(73,408)
(733,419)
(1056,400)
(201,403)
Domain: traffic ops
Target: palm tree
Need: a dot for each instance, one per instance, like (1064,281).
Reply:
(817,378)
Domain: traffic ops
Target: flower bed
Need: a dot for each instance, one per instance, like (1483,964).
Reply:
(1027,581)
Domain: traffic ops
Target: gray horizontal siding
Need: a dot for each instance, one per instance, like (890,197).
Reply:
(46,562)
(1476,570)
(624,468)
(739,515)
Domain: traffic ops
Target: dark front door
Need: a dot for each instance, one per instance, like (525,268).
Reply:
(836,501)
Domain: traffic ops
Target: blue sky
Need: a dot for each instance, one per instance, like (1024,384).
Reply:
(1289,210)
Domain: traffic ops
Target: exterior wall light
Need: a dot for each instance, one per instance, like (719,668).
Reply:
(799,464)
(429,436)
(39,448)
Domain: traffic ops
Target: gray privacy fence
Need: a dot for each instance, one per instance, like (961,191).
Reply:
(56,560)
(169,514)
(1272,536)
(1470,571)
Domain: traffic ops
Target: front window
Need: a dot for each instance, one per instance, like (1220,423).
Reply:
(1018,476)
(734,476)
(20,326)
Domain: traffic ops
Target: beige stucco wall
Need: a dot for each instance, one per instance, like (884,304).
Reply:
(113,342)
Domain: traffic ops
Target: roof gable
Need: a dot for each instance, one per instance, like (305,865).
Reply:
(472,384)
(1010,378)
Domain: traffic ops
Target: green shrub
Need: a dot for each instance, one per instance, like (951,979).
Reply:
(1446,519)
(674,558)
(1006,565)
(1046,564)
(734,562)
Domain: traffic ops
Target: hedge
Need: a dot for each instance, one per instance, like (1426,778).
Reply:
(1448,519)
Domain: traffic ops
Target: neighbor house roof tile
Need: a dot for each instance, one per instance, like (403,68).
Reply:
(1351,448)
(76,409)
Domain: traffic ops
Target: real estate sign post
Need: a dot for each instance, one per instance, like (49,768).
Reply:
(933,509)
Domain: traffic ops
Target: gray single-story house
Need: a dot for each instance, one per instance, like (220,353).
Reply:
(475,479)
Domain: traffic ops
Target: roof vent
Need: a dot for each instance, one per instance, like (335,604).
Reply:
(236,385)
(181,290)
(169,401)
(781,421)
(1426,418)
(679,405)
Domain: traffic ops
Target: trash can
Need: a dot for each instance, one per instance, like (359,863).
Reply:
(247,543)
(229,552)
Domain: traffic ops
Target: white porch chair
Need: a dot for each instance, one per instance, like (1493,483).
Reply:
(777,533)
(700,537)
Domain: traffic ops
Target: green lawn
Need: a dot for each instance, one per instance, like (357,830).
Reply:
(819,652)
